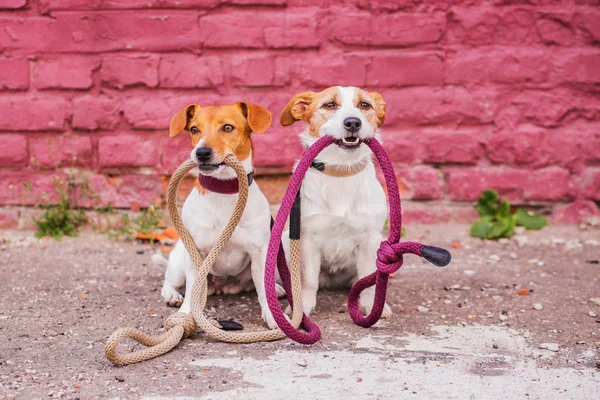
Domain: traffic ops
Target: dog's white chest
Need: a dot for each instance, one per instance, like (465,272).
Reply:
(205,216)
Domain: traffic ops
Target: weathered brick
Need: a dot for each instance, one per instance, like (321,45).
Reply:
(61,151)
(347,70)
(455,147)
(420,183)
(555,31)
(279,29)
(96,112)
(579,67)
(297,30)
(53,5)
(553,108)
(588,184)
(123,71)
(64,72)
(428,106)
(587,24)
(96,32)
(411,69)
(13,152)
(190,71)
(28,188)
(398,29)
(552,183)
(576,212)
(515,148)
(122,191)
(14,74)
(151,112)
(175,150)
(403,145)
(436,212)
(491,26)
(262,70)
(50,113)
(508,66)
(572,147)
(12,4)
(276,148)
(128,150)
(469,183)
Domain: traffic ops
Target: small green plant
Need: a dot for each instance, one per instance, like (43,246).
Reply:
(61,218)
(148,221)
(496,220)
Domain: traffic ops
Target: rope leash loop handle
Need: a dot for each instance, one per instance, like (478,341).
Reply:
(275,252)
(391,251)
(204,264)
(182,325)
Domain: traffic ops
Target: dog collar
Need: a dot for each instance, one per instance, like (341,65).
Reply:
(339,171)
(223,186)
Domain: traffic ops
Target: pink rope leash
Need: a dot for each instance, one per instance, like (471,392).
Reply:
(389,255)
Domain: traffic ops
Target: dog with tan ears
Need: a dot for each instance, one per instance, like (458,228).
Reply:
(217,132)
(343,205)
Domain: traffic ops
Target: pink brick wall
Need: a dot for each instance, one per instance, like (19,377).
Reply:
(502,94)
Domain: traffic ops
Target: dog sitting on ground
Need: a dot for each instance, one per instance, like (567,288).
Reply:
(215,133)
(343,205)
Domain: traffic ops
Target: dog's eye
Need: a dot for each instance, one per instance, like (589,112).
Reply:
(228,128)
(329,106)
(194,130)
(364,105)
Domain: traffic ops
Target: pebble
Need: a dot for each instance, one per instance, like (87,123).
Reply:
(573,244)
(538,306)
(495,346)
(513,255)
(502,317)
(592,314)
(495,257)
(557,241)
(549,346)
(503,241)
(422,309)
(521,240)
(469,272)
(592,242)
(303,363)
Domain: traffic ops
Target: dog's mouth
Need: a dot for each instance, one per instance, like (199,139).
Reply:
(207,168)
(349,142)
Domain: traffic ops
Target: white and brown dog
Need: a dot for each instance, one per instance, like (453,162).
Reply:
(343,204)
(217,132)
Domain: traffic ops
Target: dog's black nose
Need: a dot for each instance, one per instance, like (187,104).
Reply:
(352,124)
(203,153)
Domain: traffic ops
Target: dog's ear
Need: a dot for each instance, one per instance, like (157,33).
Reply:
(180,121)
(297,108)
(379,107)
(259,118)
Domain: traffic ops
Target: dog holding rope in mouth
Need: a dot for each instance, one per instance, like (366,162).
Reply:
(343,205)
(217,131)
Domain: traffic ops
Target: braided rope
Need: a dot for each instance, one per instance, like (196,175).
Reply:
(389,256)
(180,325)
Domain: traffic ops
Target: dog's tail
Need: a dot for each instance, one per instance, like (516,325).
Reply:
(159,260)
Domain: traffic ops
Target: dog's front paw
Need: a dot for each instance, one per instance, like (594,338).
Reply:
(268,318)
(387,311)
(366,306)
(280,290)
(172,297)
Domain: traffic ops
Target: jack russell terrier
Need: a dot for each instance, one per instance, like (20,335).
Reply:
(217,132)
(343,204)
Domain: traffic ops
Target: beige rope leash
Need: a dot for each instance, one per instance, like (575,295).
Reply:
(180,325)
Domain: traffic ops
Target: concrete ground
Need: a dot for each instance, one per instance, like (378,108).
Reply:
(459,332)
